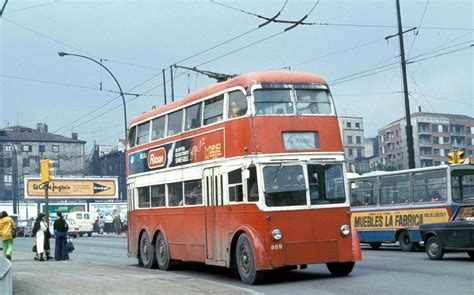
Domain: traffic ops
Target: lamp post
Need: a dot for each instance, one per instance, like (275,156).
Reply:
(61,54)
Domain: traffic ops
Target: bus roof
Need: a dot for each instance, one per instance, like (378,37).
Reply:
(241,80)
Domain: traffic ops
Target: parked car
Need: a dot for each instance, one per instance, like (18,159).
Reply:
(85,221)
(73,230)
(29,227)
(456,235)
(20,228)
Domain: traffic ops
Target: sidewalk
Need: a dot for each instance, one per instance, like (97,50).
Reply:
(78,277)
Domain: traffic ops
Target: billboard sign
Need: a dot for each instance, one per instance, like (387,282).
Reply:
(72,188)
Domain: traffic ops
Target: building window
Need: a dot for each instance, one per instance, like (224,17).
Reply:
(435,139)
(357,125)
(42,149)
(8,148)
(26,162)
(350,152)
(445,140)
(359,153)
(55,148)
(7,179)
(436,152)
(26,148)
(357,139)
(56,163)
(7,162)
(348,124)
(349,139)
(445,128)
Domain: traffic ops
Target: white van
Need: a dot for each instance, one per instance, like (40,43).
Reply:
(85,221)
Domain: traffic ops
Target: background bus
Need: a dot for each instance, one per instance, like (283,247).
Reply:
(247,174)
(390,206)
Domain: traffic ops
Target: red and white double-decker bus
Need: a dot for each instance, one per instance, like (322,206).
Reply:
(247,173)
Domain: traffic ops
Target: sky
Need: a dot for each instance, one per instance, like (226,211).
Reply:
(346,46)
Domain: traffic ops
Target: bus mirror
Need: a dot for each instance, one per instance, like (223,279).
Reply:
(246,173)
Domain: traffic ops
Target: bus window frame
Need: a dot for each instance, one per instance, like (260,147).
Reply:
(180,110)
(133,130)
(292,87)
(147,136)
(164,127)
(410,197)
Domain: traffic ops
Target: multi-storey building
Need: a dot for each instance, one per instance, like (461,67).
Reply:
(434,135)
(352,130)
(109,161)
(22,148)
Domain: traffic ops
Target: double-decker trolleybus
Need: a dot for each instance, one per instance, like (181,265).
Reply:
(247,173)
(390,206)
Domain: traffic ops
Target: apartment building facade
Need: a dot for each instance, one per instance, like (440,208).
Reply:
(434,135)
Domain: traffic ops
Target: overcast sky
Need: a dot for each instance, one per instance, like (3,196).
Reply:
(139,38)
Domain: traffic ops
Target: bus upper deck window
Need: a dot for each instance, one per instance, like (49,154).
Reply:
(313,101)
(273,101)
(193,117)
(143,134)
(131,136)
(237,104)
(213,110)
(175,122)
(158,128)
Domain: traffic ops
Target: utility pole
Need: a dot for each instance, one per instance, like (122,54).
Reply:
(409,128)
(172,83)
(164,85)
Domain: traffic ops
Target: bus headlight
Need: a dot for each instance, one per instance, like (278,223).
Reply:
(276,234)
(345,230)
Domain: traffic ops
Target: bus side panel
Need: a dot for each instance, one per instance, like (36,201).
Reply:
(377,236)
(184,231)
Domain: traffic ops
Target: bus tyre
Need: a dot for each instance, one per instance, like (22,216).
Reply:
(471,254)
(245,258)
(147,253)
(405,241)
(162,252)
(89,234)
(340,269)
(375,246)
(433,249)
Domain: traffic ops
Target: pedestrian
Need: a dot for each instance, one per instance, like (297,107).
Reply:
(117,224)
(40,229)
(6,226)
(61,228)
(96,225)
(101,225)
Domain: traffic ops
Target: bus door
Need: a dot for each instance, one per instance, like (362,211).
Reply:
(216,217)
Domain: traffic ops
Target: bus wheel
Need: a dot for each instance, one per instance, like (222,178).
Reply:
(162,252)
(245,258)
(375,246)
(340,269)
(433,249)
(147,253)
(405,242)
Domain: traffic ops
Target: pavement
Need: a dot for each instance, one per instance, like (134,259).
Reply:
(83,277)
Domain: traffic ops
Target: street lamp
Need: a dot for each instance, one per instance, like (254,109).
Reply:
(61,54)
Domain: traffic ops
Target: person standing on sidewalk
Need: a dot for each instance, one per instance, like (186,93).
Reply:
(61,228)
(6,226)
(39,230)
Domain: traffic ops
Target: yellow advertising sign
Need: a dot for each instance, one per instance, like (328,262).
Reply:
(377,220)
(73,188)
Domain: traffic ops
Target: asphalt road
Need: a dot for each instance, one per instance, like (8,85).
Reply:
(387,271)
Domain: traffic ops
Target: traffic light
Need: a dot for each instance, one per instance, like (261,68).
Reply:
(46,170)
(456,157)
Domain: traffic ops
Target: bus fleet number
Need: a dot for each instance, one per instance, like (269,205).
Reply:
(276,247)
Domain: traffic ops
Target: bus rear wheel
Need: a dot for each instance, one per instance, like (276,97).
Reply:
(375,245)
(162,252)
(245,258)
(340,269)
(147,253)
(405,241)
